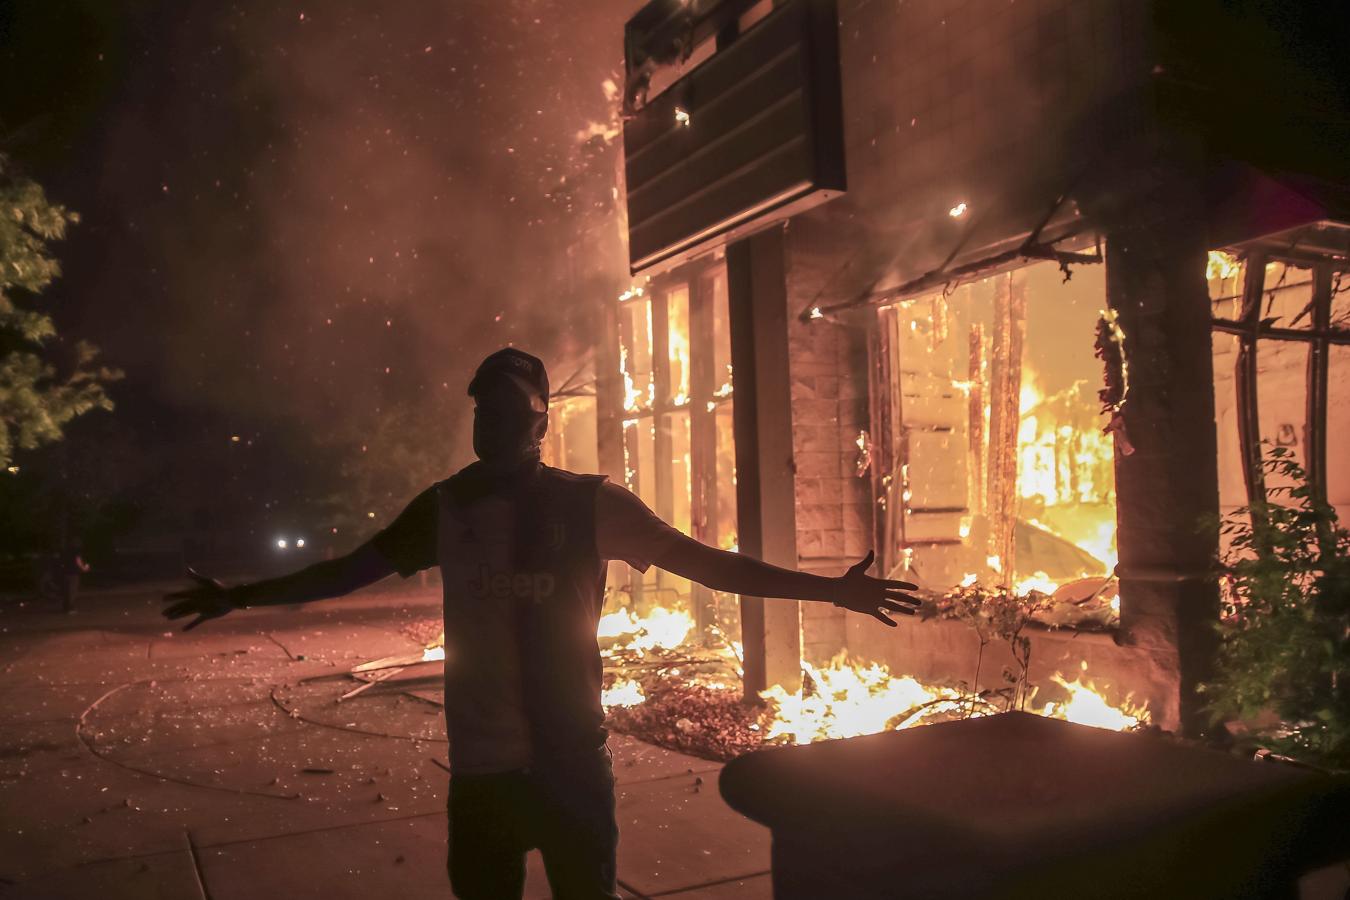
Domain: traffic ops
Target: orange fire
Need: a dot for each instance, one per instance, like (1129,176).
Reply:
(851,699)
(1066,470)
(1066,494)
(664,628)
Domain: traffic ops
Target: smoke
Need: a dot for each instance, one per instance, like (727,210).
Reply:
(307,217)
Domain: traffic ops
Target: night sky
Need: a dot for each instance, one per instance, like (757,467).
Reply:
(303,224)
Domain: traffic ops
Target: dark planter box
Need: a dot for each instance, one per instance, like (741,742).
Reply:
(1018,805)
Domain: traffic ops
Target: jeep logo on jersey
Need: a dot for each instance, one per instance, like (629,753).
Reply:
(536,586)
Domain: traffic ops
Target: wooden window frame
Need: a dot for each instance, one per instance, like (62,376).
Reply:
(1250,329)
(701,406)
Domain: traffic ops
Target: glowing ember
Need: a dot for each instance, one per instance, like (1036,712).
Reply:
(958,210)
(682,117)
(606,131)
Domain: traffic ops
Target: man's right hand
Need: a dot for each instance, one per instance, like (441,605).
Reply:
(209,599)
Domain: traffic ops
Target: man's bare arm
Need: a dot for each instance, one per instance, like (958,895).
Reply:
(739,574)
(209,599)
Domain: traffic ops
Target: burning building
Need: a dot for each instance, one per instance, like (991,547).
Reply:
(1011,292)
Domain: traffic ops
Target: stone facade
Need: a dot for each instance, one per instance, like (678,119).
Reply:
(834,510)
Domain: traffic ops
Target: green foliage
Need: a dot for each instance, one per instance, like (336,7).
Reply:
(1285,627)
(36,401)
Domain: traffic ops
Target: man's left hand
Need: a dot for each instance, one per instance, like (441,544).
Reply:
(859,592)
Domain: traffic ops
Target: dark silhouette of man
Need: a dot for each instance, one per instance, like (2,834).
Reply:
(523,549)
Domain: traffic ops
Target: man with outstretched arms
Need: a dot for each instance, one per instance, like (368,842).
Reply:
(522,549)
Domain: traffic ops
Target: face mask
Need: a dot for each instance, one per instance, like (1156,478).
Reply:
(506,435)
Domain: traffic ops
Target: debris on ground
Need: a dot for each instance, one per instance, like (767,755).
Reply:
(719,725)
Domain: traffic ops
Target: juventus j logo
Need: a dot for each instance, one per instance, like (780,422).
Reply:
(557,535)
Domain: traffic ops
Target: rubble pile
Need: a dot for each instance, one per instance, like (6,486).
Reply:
(707,721)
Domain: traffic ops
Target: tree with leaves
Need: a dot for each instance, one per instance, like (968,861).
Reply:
(38,396)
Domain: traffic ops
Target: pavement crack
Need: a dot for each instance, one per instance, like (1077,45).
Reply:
(197,866)
(673,892)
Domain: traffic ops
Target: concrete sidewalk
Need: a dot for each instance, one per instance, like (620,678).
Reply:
(137,761)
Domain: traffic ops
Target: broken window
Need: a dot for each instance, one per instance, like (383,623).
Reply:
(1281,308)
(994,467)
(679,451)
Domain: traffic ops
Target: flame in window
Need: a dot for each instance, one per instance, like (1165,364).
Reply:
(1221,265)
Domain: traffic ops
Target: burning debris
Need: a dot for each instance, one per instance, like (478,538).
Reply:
(844,700)
(1087,707)
(664,690)
(701,720)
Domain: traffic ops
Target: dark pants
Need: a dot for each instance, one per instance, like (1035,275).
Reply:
(565,809)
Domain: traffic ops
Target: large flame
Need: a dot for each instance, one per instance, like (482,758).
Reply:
(1038,581)
(632,397)
(848,700)
(624,692)
(664,628)
(1065,468)
(851,699)
(1087,707)
(1065,485)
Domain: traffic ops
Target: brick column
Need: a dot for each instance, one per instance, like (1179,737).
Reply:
(1156,283)
(771,630)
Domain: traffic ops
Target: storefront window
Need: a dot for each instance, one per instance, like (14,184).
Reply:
(993,465)
(678,439)
(1281,346)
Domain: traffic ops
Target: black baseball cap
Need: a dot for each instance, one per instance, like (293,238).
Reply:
(526,371)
